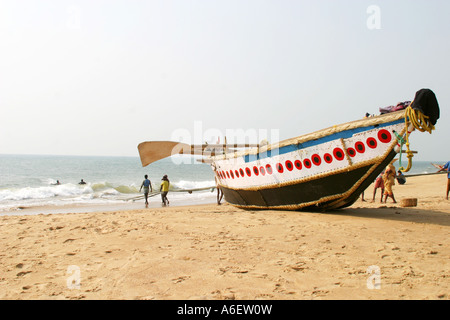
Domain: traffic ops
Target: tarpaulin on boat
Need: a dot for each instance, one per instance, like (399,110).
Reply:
(426,102)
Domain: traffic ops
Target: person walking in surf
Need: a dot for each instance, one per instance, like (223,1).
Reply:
(164,190)
(147,185)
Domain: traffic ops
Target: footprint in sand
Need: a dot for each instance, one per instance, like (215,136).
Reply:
(22,273)
(180,279)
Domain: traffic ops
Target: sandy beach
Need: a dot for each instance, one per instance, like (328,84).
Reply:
(368,251)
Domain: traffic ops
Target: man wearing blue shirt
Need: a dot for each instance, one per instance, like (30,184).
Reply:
(447,167)
(147,185)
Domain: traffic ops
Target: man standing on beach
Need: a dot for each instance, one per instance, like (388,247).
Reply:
(219,192)
(147,184)
(446,167)
(164,190)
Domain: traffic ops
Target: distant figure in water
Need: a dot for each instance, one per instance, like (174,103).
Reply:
(81,182)
(57,183)
(147,184)
(164,190)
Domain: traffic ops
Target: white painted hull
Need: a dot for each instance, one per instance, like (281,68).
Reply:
(279,168)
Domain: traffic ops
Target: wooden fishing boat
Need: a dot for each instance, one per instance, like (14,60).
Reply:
(437,166)
(326,170)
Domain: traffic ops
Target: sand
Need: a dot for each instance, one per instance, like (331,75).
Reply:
(367,251)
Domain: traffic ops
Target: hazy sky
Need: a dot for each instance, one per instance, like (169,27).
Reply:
(98,77)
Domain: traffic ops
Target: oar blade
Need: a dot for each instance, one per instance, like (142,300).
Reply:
(151,151)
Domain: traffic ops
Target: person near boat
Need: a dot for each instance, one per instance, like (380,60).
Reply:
(389,182)
(446,167)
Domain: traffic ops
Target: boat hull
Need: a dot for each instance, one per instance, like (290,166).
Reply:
(332,192)
(327,172)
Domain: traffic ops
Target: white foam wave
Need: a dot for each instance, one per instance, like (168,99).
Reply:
(185,184)
(66,190)
(91,193)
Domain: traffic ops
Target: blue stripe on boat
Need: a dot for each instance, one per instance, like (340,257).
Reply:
(294,147)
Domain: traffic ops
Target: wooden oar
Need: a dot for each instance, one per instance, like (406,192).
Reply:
(151,151)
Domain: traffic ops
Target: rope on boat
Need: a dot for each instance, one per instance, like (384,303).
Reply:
(420,122)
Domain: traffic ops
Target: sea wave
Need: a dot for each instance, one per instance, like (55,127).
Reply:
(66,190)
(103,186)
(97,192)
(186,184)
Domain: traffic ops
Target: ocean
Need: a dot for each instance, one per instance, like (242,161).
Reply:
(29,181)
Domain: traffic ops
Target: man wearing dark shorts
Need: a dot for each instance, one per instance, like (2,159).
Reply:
(147,184)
